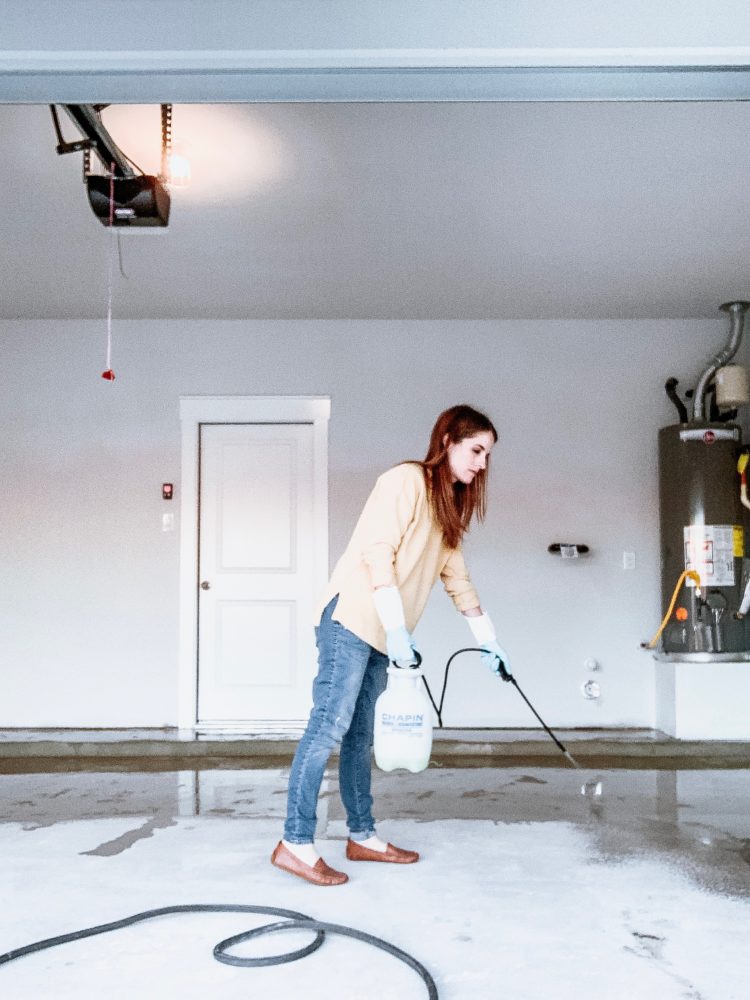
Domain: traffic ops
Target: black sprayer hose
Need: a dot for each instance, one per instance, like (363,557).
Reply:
(506,676)
(292,921)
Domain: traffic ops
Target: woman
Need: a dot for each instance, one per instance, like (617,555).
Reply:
(408,534)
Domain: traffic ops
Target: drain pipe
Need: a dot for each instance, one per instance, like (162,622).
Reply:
(736,312)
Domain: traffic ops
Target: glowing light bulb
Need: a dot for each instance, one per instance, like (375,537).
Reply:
(178,167)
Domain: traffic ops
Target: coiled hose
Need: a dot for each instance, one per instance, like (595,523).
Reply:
(292,921)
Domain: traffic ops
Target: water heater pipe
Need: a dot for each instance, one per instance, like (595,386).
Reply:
(736,312)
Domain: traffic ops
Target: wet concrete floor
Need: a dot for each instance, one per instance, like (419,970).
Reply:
(699,820)
(538,836)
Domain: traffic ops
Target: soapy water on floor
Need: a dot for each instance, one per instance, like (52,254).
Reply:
(526,887)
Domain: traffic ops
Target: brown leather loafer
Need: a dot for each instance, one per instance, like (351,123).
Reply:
(318,874)
(396,855)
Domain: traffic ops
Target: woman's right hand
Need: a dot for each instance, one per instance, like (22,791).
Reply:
(400,646)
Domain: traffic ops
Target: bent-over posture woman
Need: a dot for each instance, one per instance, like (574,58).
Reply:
(408,535)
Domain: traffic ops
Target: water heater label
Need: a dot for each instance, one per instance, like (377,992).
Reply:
(739,541)
(709,550)
(709,435)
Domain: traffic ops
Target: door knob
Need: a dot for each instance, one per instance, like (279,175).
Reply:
(205,585)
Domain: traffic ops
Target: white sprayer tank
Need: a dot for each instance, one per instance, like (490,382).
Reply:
(403,722)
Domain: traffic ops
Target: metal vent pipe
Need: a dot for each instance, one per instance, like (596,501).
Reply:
(736,312)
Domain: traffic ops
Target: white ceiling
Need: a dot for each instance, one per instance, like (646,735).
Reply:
(387,210)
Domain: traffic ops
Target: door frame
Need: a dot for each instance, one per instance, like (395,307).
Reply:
(198,410)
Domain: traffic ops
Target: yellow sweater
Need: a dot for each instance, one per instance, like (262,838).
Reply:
(396,541)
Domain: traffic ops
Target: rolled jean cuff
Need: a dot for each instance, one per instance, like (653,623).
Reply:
(359,835)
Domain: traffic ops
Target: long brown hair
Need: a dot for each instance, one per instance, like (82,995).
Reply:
(454,504)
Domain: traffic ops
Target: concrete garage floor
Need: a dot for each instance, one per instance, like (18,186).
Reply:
(527,888)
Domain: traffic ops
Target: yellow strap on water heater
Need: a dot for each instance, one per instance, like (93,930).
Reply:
(683,576)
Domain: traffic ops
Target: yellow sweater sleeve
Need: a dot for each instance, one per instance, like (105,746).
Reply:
(458,586)
(389,511)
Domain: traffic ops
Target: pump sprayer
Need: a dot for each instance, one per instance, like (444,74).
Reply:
(403,725)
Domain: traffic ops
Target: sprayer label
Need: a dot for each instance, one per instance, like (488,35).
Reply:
(709,550)
(402,721)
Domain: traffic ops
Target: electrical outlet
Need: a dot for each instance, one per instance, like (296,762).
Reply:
(628,560)
(591,690)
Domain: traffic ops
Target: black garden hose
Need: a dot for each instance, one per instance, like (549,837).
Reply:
(292,921)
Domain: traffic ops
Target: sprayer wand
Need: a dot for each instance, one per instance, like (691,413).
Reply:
(506,676)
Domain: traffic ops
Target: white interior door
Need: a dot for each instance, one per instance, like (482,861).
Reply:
(256,650)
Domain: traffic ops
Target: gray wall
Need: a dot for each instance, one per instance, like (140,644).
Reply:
(89,614)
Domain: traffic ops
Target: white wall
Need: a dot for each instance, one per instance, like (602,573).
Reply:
(89,615)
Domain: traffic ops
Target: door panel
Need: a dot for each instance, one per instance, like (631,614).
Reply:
(265,627)
(245,507)
(256,653)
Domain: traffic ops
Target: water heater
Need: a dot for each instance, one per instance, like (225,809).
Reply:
(704,523)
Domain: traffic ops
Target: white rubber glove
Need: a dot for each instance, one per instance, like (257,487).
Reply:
(493,655)
(390,609)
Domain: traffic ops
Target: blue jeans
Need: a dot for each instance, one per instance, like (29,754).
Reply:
(351,676)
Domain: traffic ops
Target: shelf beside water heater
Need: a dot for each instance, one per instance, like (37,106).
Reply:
(703,698)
